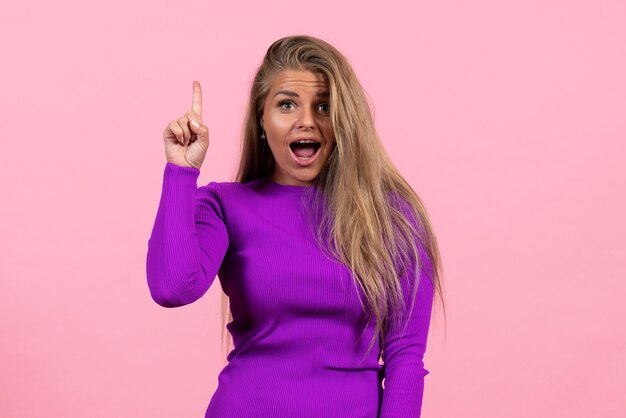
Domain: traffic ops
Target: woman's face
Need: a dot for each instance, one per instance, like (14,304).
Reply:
(297,108)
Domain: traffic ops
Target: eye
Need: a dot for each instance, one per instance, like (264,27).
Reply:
(326,108)
(285,102)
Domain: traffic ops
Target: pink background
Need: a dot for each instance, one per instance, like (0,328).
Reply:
(508,118)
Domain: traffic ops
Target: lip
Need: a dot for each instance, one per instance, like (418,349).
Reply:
(306,137)
(305,163)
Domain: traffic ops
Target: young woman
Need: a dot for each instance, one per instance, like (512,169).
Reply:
(322,248)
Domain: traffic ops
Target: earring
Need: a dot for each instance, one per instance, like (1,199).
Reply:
(264,142)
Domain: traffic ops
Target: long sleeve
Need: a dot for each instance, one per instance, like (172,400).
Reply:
(403,353)
(189,238)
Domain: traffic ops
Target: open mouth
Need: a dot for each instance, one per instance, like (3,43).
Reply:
(305,149)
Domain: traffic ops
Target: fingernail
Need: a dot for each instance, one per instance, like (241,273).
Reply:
(194,123)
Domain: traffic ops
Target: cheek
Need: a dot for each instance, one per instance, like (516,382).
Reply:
(277,121)
(330,135)
(328,129)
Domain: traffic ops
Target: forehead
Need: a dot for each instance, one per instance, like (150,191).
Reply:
(299,79)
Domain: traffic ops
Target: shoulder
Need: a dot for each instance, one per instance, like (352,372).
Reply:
(237,204)
(404,208)
(418,235)
(225,191)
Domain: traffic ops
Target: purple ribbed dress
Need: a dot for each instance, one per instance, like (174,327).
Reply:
(297,319)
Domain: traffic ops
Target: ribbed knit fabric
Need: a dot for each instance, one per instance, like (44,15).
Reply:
(297,319)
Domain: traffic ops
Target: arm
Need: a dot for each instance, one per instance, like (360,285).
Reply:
(188,241)
(403,353)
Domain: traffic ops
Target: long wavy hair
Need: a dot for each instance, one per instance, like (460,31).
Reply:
(369,209)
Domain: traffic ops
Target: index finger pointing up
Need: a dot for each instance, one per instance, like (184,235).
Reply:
(196,104)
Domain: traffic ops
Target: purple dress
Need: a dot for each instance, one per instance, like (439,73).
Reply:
(297,320)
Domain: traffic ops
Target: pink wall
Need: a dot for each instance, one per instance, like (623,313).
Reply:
(508,118)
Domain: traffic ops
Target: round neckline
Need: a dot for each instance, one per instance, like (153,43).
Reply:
(272,185)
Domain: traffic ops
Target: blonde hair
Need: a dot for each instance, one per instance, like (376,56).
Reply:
(369,208)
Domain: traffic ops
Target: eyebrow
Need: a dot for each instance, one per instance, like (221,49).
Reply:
(294,94)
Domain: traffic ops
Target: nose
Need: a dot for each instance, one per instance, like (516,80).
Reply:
(306,119)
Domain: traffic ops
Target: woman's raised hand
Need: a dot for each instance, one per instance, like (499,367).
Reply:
(187,139)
